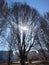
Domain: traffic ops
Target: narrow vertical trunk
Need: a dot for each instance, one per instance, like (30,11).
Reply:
(9,58)
(22,58)
(22,62)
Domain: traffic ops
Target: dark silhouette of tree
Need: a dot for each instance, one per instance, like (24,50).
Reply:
(4,10)
(27,28)
(45,26)
(24,15)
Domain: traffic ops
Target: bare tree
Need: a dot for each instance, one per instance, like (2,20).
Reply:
(45,29)
(25,25)
(27,16)
(26,28)
(4,12)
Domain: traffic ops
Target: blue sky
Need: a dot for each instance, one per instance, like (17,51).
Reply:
(41,5)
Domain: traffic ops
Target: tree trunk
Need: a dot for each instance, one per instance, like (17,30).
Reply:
(22,62)
(22,59)
(9,58)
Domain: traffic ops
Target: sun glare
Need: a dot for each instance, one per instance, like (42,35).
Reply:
(23,28)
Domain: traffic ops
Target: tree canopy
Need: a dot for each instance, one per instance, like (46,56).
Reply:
(24,29)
